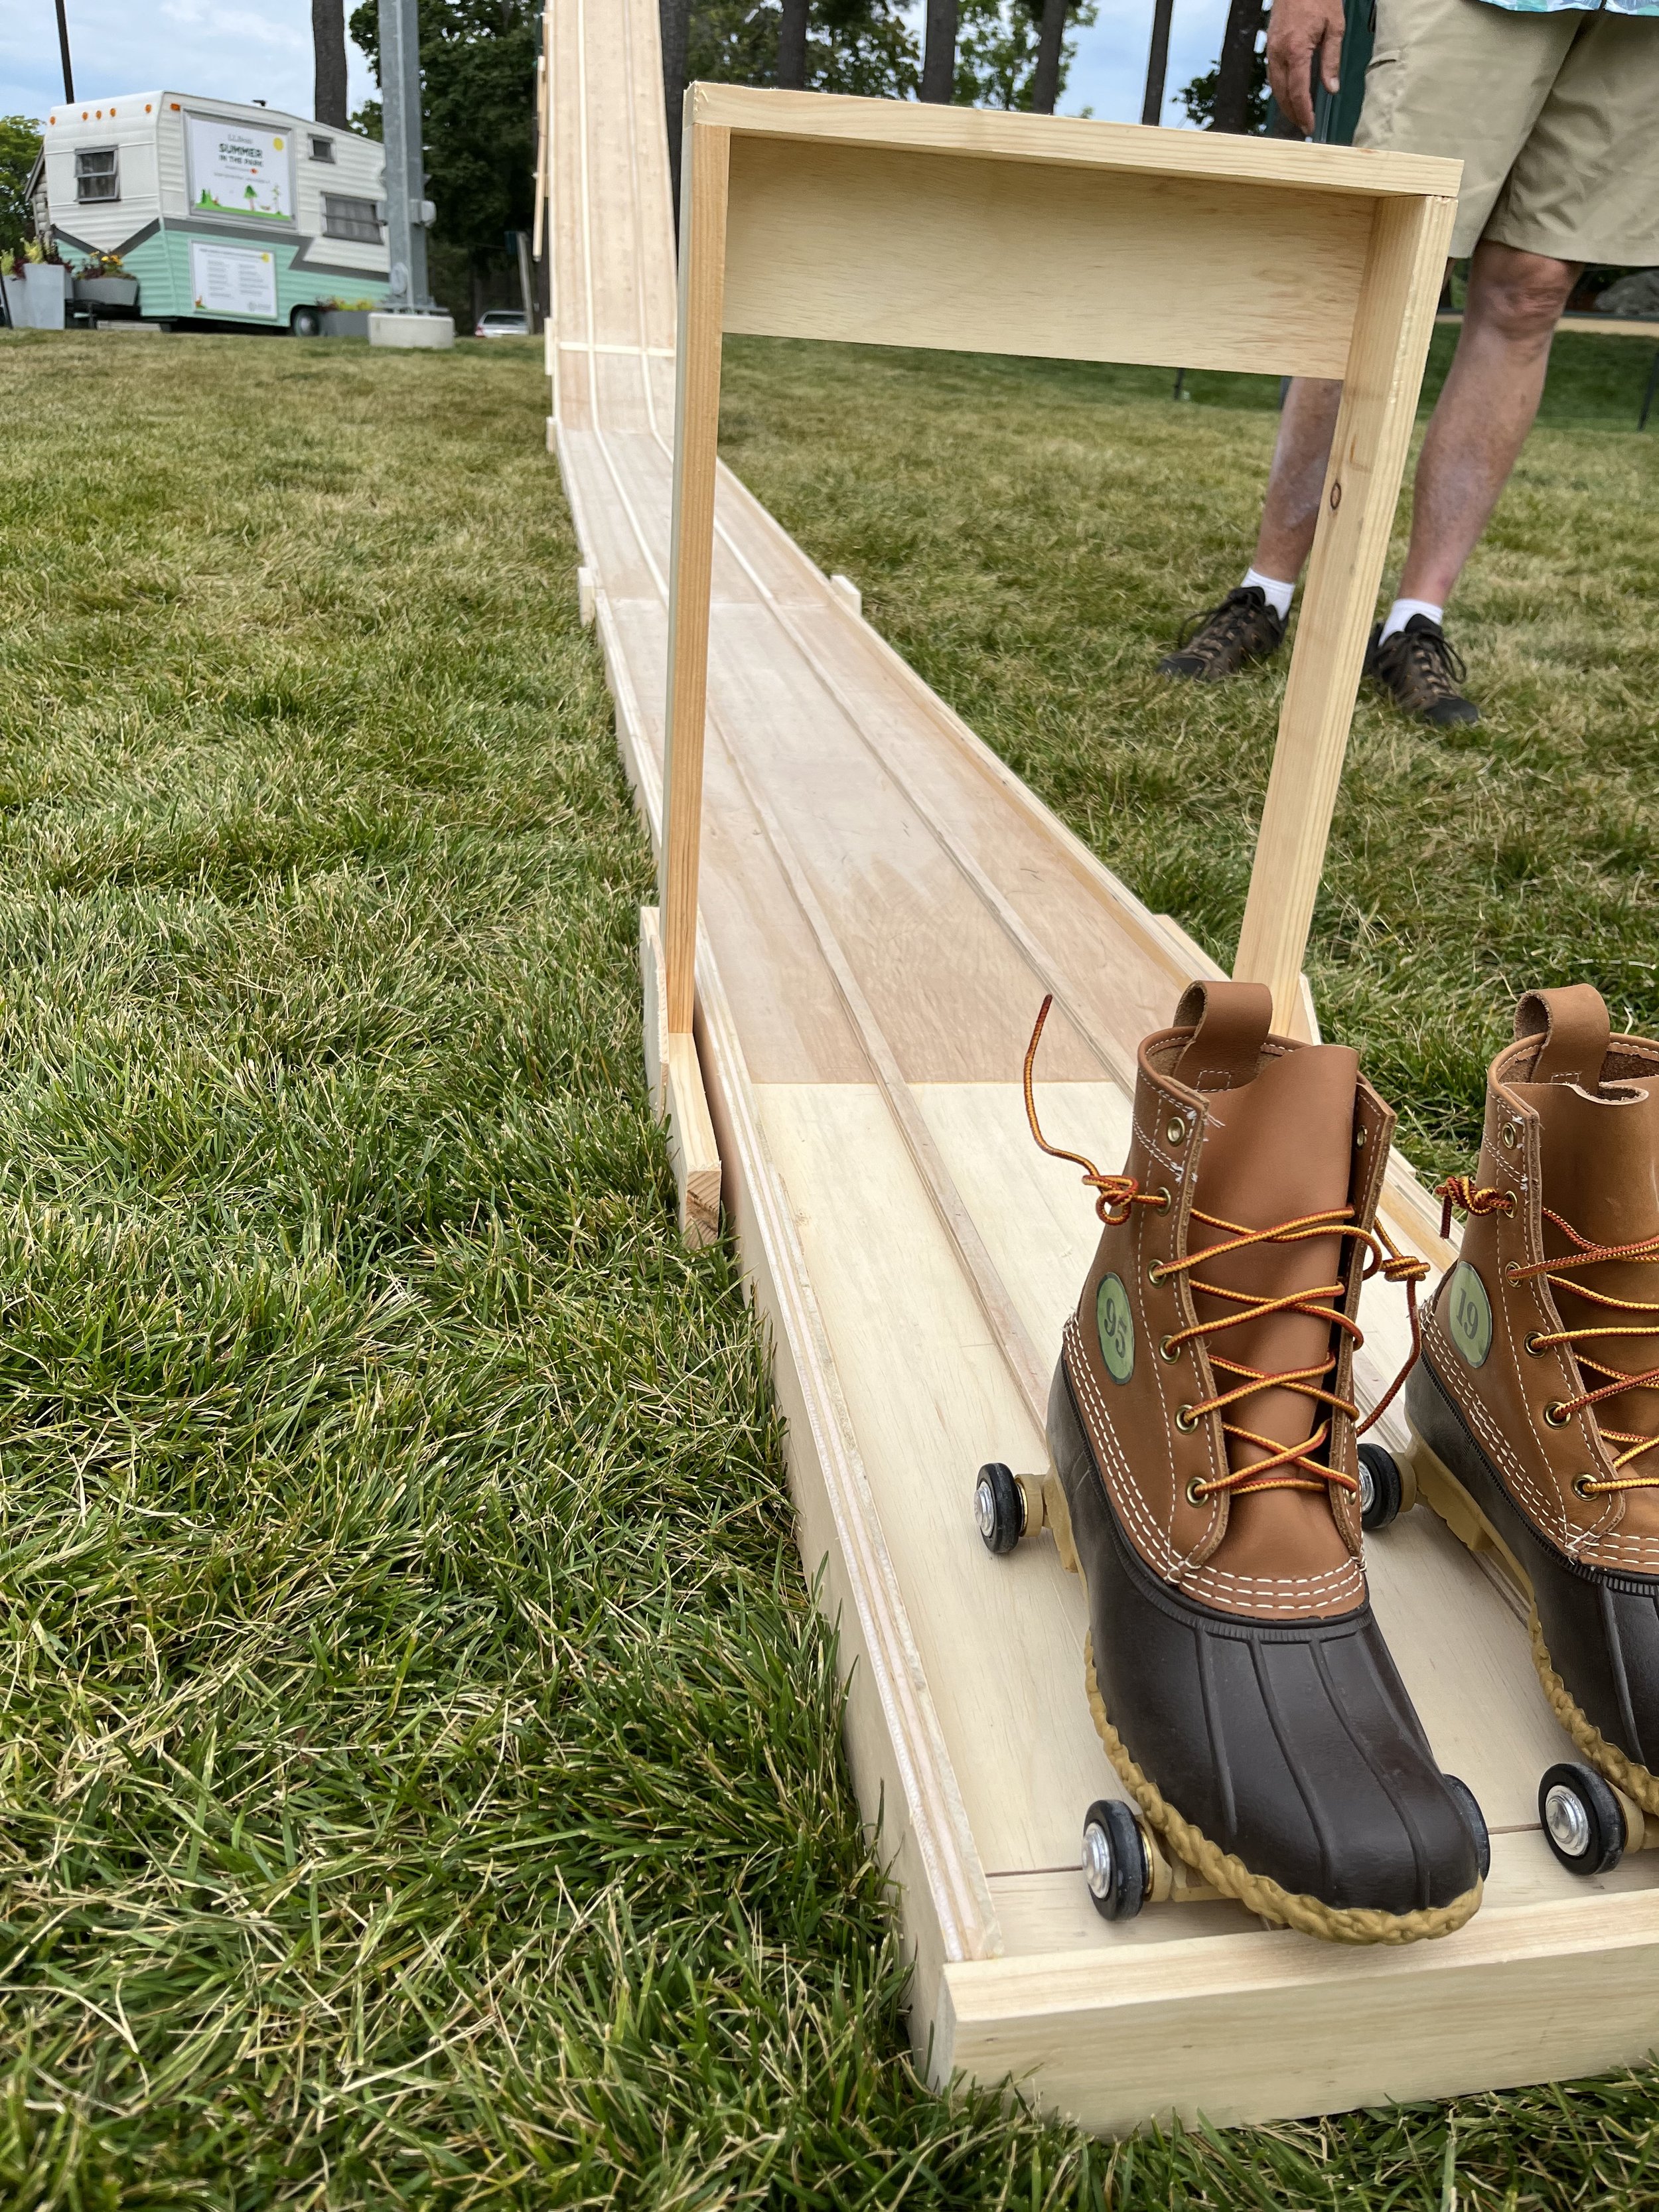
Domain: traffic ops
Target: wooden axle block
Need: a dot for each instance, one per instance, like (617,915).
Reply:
(586,596)
(674,1079)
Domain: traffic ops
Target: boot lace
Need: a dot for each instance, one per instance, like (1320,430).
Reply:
(1460,1191)
(1287,1466)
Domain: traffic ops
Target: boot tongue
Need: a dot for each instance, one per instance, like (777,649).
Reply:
(1276,1148)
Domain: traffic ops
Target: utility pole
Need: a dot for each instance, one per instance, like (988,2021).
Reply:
(939,65)
(63,48)
(1157,62)
(408,211)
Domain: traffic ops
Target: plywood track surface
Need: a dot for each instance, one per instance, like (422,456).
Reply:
(884,906)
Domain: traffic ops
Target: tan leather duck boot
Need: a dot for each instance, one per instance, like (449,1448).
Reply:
(1536,1400)
(1203,1428)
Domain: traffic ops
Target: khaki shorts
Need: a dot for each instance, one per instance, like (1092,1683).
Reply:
(1555,119)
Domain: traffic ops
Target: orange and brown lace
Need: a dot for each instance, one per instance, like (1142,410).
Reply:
(1286,1467)
(1460,1191)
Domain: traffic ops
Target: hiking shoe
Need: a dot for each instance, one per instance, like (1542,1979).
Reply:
(1243,629)
(1420,671)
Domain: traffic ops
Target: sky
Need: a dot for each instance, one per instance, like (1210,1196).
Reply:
(261,50)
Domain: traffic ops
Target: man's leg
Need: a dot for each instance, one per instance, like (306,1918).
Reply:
(1249,625)
(1295,483)
(1485,411)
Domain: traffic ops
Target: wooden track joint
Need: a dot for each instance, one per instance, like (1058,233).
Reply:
(674,1078)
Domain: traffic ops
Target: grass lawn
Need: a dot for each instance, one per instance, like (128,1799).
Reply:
(418,1779)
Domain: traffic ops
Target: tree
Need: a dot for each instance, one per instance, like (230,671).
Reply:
(673,22)
(1236,66)
(1199,97)
(862,46)
(791,44)
(19,148)
(938,67)
(328,43)
(1000,52)
(478,78)
(1050,18)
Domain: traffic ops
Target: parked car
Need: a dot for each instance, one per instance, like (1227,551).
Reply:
(501,323)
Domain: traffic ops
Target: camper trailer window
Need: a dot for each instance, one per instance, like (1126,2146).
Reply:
(322,150)
(352,219)
(96,177)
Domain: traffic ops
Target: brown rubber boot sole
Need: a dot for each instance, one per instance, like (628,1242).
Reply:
(1224,1870)
(1437,1486)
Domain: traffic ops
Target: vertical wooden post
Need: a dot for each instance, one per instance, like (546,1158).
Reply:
(704,174)
(1390,344)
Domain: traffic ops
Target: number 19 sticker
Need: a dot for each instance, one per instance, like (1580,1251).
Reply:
(1470,1311)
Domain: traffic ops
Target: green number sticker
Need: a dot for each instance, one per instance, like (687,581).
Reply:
(1117,1328)
(1469,1314)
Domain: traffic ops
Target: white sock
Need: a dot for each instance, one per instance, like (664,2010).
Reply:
(1277,594)
(1402,610)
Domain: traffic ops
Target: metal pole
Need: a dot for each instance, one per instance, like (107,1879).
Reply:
(63,48)
(406,207)
(1157,62)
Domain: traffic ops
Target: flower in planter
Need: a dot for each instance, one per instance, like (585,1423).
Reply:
(102,264)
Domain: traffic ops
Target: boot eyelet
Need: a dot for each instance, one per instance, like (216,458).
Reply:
(1510,1134)
(1196,1494)
(1511,1269)
(1583,1486)
(1175,1132)
(1186,1420)
(1164,1200)
(1535,1344)
(1557,1414)
(1168,1349)
(1154,1272)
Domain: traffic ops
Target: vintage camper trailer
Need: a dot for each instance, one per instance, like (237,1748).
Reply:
(225,212)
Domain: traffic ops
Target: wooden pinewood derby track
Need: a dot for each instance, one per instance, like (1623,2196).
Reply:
(882,905)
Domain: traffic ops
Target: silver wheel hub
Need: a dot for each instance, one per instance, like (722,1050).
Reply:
(1097,1868)
(1367,1488)
(985,1510)
(1567,1820)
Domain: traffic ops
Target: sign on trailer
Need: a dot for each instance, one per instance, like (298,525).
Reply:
(236,169)
(232,279)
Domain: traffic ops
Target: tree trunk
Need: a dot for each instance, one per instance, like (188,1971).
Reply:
(1045,80)
(938,67)
(792,45)
(1232,84)
(673,15)
(1157,62)
(328,41)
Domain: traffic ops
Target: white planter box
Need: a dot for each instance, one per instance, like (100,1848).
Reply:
(412,329)
(36,298)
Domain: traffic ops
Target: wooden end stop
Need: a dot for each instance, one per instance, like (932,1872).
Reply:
(674,1079)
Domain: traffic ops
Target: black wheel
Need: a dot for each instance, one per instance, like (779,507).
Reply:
(1114,1860)
(999,1508)
(1582,1819)
(1380,1487)
(1474,1819)
(307,322)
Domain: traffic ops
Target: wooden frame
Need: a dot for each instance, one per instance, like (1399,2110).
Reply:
(887,223)
(880,905)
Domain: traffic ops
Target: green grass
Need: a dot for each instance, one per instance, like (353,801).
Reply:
(1030,535)
(418,1780)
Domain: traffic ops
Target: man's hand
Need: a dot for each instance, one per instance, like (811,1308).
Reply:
(1299,30)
